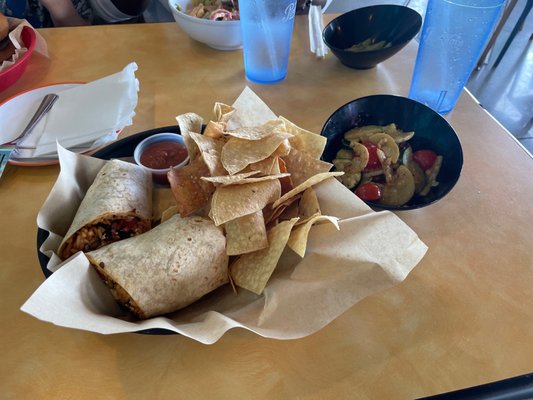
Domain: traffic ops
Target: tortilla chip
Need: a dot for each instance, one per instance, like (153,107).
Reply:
(271,214)
(303,140)
(298,239)
(191,193)
(264,167)
(238,153)
(291,211)
(250,110)
(229,179)
(190,122)
(246,234)
(210,148)
(308,205)
(168,213)
(222,112)
(301,166)
(241,179)
(252,271)
(257,132)
(307,184)
(230,202)
(162,198)
(276,168)
(230,280)
(286,183)
(214,129)
(283,149)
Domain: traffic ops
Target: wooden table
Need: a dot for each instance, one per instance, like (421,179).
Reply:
(463,317)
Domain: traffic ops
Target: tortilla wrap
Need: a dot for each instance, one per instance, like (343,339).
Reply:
(166,268)
(116,206)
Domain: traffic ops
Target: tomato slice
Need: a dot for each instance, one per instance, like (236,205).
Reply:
(425,158)
(373,159)
(368,191)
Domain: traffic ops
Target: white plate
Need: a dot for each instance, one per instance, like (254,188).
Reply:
(16,112)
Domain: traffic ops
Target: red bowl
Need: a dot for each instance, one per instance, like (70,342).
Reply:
(12,74)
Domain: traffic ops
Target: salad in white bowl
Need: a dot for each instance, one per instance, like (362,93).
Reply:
(212,22)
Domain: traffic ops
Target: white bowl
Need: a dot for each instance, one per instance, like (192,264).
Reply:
(220,35)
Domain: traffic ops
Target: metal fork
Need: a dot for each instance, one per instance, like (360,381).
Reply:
(8,147)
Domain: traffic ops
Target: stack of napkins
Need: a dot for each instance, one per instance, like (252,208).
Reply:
(85,115)
(316,26)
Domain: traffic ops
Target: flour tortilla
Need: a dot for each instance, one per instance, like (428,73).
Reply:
(166,268)
(120,196)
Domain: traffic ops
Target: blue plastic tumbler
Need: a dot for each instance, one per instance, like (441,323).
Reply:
(453,37)
(266,28)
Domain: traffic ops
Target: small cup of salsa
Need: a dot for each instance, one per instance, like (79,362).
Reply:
(161,152)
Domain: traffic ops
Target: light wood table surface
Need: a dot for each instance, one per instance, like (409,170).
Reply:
(463,317)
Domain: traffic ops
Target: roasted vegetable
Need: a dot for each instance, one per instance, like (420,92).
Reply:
(383,166)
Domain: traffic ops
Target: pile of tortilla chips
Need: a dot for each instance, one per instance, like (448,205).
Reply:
(257,183)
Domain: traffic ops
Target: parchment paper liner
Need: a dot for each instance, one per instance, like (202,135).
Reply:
(371,252)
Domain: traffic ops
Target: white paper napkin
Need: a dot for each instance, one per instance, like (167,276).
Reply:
(316,26)
(85,114)
(15,26)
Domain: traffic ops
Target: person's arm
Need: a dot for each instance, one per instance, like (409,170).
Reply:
(131,7)
(63,13)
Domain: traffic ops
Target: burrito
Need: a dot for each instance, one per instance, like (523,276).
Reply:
(166,268)
(117,205)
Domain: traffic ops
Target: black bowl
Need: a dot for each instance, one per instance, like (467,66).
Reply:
(396,25)
(432,132)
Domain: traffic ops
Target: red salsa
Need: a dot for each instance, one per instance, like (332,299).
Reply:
(163,155)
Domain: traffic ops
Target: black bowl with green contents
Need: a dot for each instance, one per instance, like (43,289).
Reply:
(364,37)
(431,132)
